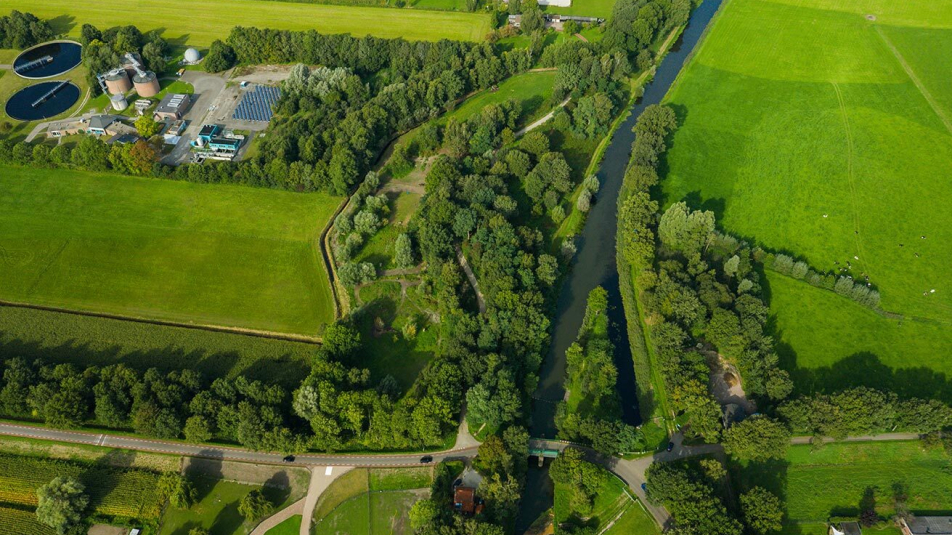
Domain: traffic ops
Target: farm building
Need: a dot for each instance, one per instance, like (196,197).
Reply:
(172,107)
(465,501)
(926,525)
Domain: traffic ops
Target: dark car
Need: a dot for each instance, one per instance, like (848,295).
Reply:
(288,459)
(426,459)
(670,446)
(644,487)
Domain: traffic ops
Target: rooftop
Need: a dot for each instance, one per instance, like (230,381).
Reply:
(173,103)
(931,525)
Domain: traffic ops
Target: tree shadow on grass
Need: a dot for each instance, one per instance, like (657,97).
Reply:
(62,24)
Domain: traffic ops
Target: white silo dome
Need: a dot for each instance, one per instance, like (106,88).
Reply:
(192,55)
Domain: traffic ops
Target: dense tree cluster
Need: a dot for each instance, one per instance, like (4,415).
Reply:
(580,479)
(757,438)
(863,411)
(103,50)
(591,375)
(335,120)
(23,30)
(60,504)
(635,24)
(697,286)
(689,494)
(89,154)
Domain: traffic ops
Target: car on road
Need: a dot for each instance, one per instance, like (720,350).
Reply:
(670,446)
(426,459)
(644,487)
(288,459)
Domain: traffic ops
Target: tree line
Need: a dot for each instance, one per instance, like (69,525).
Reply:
(23,30)
(103,50)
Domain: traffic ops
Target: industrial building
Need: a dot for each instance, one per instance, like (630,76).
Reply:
(213,141)
(146,84)
(172,107)
(97,125)
(117,81)
(192,56)
(119,102)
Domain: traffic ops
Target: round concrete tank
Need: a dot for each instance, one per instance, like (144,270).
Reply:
(192,55)
(117,82)
(147,85)
(119,102)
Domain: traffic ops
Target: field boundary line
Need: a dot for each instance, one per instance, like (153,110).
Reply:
(851,179)
(915,80)
(167,323)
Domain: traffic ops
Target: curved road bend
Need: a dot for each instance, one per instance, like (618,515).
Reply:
(227,453)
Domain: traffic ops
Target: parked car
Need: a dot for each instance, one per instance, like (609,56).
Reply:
(670,446)
(426,459)
(644,487)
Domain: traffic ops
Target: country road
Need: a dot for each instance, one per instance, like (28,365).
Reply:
(227,453)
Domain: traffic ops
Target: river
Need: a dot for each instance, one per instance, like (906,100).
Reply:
(594,265)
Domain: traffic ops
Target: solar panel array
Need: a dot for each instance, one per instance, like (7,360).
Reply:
(257,104)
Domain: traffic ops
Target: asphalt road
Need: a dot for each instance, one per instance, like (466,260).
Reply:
(227,453)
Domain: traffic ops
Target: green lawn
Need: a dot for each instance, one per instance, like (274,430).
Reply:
(216,510)
(291,526)
(831,481)
(390,352)
(364,502)
(532,90)
(158,249)
(203,21)
(634,521)
(803,130)
(585,8)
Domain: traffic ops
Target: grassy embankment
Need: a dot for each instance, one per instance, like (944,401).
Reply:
(832,481)
(814,130)
(162,250)
(202,21)
(614,506)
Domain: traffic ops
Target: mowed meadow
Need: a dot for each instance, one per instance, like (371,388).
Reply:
(157,249)
(199,22)
(823,129)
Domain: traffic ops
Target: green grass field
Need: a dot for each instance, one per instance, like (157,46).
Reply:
(215,510)
(203,21)
(57,337)
(365,502)
(831,481)
(291,526)
(158,249)
(532,90)
(813,130)
(585,8)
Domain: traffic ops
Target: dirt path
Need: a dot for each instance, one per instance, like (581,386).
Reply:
(544,119)
(480,301)
(582,37)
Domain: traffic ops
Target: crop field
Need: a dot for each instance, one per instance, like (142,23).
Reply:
(832,481)
(203,21)
(113,492)
(823,129)
(158,249)
(21,522)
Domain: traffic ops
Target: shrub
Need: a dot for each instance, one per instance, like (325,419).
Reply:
(568,247)
(584,202)
(799,270)
(592,184)
(783,264)
(403,256)
(353,274)
(844,286)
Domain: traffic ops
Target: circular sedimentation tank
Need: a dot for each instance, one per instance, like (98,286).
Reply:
(43,100)
(146,84)
(49,59)
(117,82)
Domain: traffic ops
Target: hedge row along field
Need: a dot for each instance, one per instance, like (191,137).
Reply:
(824,130)
(113,492)
(157,249)
(56,337)
(202,21)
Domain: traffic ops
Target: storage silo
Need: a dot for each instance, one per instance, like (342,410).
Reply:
(119,102)
(147,84)
(117,82)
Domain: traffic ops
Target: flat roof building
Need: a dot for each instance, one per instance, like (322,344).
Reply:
(173,106)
